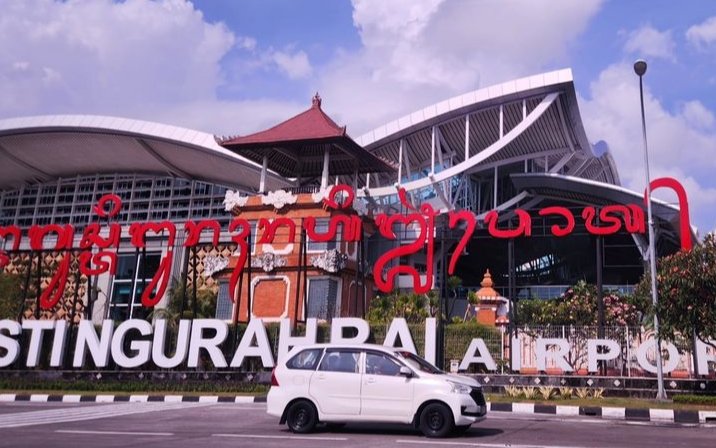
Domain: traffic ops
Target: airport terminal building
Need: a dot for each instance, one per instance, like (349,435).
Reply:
(520,145)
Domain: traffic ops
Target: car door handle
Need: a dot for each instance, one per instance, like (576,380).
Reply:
(320,377)
(370,380)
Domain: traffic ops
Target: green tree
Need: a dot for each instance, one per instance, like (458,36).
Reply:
(413,307)
(579,306)
(10,294)
(686,289)
(205,302)
(453,284)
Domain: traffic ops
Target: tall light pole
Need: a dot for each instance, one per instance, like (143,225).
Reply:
(640,69)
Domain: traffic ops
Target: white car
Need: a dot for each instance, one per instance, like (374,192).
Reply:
(336,384)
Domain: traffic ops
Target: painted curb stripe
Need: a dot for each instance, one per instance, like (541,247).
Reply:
(567,410)
(615,413)
(523,408)
(501,407)
(590,411)
(681,416)
(636,414)
(661,415)
(261,399)
(545,409)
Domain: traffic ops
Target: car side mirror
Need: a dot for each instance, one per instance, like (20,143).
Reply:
(406,372)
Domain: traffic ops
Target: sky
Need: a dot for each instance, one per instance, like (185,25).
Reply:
(235,66)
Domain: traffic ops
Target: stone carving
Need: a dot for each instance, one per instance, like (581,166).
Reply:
(360,207)
(234,199)
(319,195)
(330,261)
(279,199)
(268,262)
(213,264)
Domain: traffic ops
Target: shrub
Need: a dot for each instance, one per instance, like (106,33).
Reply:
(546,392)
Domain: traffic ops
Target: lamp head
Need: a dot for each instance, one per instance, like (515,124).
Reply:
(640,67)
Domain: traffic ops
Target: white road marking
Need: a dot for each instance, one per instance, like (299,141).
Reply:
(261,436)
(114,433)
(482,445)
(89,412)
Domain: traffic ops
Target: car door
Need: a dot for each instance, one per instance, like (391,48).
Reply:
(385,393)
(336,384)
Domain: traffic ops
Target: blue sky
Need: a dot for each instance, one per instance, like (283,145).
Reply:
(232,67)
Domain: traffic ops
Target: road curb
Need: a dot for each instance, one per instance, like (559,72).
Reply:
(137,398)
(609,413)
(606,413)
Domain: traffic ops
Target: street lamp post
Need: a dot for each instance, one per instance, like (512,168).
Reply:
(640,69)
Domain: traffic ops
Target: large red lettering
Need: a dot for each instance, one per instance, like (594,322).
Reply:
(240,239)
(524,228)
(684,220)
(563,212)
(425,221)
(470,222)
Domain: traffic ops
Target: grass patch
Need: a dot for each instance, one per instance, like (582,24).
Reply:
(613,402)
(709,400)
(153,387)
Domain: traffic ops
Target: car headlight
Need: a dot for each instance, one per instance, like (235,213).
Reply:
(458,388)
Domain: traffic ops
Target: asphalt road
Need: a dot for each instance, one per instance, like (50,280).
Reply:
(195,425)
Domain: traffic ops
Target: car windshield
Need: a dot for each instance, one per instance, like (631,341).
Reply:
(419,363)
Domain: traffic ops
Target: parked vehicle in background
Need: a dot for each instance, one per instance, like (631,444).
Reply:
(337,384)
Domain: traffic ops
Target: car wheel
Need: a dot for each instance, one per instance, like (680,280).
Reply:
(462,429)
(436,420)
(301,417)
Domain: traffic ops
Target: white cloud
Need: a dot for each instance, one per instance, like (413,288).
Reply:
(93,56)
(415,53)
(295,66)
(682,144)
(650,42)
(703,34)
(698,115)
(156,60)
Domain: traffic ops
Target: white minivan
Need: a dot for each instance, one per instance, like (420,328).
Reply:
(336,384)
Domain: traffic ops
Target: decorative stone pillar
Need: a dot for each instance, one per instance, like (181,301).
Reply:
(488,301)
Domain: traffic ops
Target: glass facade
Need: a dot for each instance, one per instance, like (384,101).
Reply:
(144,198)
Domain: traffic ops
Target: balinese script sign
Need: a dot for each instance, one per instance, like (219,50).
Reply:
(98,243)
(136,342)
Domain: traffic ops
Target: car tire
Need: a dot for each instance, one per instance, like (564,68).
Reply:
(436,420)
(462,429)
(301,417)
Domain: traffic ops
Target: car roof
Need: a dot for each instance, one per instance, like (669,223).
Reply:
(383,348)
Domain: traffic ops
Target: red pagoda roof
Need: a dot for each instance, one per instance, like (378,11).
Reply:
(295,147)
(313,124)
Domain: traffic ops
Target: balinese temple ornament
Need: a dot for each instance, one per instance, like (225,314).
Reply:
(213,264)
(279,199)
(233,199)
(268,262)
(330,261)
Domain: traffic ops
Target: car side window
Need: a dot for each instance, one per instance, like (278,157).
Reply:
(340,361)
(305,359)
(381,364)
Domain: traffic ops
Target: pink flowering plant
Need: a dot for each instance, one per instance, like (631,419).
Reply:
(686,290)
(578,305)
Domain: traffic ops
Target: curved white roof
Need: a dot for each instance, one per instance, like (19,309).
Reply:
(39,149)
(533,118)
